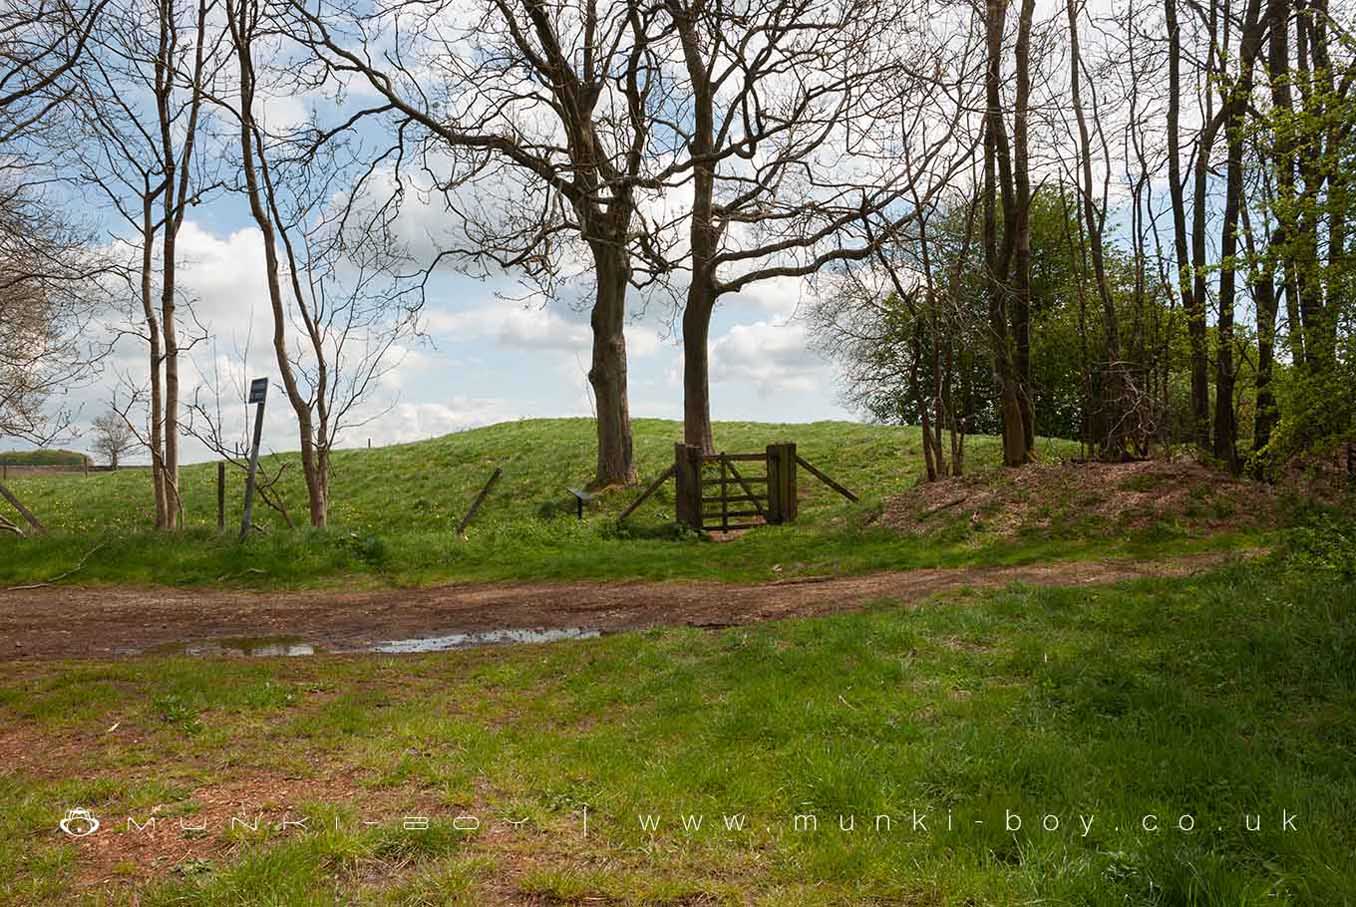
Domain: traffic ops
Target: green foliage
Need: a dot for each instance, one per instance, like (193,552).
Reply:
(1323,544)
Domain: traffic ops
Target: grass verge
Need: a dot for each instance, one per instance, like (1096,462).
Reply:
(1227,698)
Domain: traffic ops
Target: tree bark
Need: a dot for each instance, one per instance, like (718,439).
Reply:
(607,376)
(696,368)
(1021,221)
(1234,111)
(1191,279)
(704,237)
(153,337)
(997,261)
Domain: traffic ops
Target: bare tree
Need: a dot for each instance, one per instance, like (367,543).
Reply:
(142,109)
(113,437)
(1008,259)
(903,328)
(551,105)
(48,299)
(338,306)
(793,118)
(42,47)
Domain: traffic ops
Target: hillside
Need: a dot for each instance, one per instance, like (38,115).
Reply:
(43,457)
(394,511)
(427,485)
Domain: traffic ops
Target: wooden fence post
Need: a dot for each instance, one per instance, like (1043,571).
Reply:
(786,475)
(781,483)
(221,496)
(774,485)
(687,473)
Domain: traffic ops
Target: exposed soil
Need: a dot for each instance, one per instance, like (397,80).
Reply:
(77,622)
(1106,496)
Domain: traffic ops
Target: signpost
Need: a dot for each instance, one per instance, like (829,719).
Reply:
(258,391)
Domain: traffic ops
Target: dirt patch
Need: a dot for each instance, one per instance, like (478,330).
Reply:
(75,622)
(1110,497)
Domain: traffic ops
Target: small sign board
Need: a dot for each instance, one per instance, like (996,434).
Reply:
(258,390)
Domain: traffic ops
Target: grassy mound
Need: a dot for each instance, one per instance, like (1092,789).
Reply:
(394,511)
(43,458)
(427,485)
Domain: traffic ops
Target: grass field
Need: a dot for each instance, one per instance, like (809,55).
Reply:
(1225,698)
(394,511)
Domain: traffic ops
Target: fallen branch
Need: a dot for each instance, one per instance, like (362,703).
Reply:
(947,506)
(59,577)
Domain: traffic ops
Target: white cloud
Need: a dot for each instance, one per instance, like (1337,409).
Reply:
(771,357)
(510,326)
(405,422)
(779,296)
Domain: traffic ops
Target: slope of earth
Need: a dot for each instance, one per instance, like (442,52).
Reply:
(1068,499)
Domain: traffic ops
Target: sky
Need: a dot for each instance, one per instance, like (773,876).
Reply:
(483,357)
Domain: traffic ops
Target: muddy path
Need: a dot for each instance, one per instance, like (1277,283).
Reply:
(110,622)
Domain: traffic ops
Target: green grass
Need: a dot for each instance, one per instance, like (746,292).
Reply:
(394,511)
(1220,697)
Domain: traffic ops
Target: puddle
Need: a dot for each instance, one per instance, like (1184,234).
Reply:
(286,646)
(247,646)
(486,638)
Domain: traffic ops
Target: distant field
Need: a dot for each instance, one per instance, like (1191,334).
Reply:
(394,511)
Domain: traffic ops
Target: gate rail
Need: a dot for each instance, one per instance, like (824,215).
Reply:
(715,494)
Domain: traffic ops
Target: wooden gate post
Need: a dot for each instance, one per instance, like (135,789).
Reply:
(774,485)
(687,477)
(781,483)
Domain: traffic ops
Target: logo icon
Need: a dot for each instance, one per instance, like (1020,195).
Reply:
(79,823)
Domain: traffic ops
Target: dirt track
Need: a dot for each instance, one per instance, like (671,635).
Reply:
(76,622)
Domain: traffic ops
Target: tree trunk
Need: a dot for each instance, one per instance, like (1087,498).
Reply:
(616,465)
(153,337)
(1021,220)
(1191,279)
(1114,387)
(1015,450)
(1234,110)
(317,489)
(696,365)
(255,169)
(920,401)
(1264,292)
(173,505)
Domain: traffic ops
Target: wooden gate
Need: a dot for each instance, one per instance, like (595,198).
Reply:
(722,492)
(730,491)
